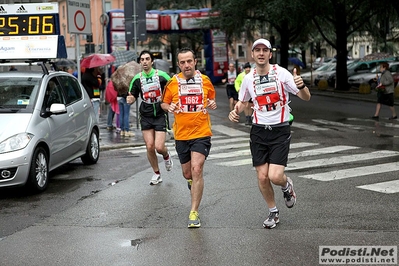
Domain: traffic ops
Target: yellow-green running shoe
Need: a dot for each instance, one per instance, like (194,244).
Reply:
(189,183)
(194,220)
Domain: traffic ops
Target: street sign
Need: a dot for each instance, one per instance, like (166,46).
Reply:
(79,16)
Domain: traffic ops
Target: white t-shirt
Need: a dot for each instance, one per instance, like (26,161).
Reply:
(270,95)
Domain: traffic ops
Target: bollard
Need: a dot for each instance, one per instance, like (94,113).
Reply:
(364,88)
(322,85)
(396,91)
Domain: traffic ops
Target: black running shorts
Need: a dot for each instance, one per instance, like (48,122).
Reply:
(231,92)
(185,147)
(270,145)
(159,123)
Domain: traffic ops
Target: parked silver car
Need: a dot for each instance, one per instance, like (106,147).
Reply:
(371,77)
(309,77)
(46,120)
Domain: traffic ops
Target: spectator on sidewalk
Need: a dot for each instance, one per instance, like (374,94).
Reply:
(385,94)
(113,110)
(92,85)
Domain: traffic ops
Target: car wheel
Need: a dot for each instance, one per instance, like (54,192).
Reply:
(38,172)
(92,150)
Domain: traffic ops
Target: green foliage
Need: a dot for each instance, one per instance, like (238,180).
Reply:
(169,4)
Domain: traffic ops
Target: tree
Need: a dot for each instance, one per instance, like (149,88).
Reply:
(345,17)
(289,20)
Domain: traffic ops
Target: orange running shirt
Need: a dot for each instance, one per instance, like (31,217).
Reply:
(190,123)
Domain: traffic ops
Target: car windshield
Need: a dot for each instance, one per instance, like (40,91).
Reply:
(324,67)
(352,65)
(17,93)
(332,67)
(375,69)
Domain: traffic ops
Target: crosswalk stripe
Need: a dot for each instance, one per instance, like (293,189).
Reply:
(302,145)
(333,123)
(308,127)
(327,150)
(313,152)
(354,172)
(229,131)
(384,124)
(388,187)
(247,161)
(215,143)
(292,166)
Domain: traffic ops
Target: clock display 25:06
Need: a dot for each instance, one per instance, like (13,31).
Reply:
(37,24)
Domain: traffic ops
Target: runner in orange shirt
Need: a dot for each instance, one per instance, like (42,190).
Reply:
(189,95)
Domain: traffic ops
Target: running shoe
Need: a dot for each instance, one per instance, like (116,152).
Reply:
(194,220)
(189,183)
(169,163)
(272,220)
(289,194)
(129,134)
(156,179)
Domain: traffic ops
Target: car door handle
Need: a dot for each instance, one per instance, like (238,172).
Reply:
(85,105)
(71,114)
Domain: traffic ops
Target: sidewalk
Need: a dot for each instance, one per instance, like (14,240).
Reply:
(352,94)
(112,140)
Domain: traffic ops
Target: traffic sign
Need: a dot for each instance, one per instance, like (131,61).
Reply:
(79,16)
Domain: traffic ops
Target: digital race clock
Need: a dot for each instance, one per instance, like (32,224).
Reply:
(30,31)
(39,24)
(29,19)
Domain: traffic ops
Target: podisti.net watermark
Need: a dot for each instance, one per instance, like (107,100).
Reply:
(358,255)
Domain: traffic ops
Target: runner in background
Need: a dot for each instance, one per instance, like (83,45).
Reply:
(230,77)
(149,84)
(237,85)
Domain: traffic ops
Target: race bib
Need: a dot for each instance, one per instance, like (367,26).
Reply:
(191,98)
(267,95)
(151,89)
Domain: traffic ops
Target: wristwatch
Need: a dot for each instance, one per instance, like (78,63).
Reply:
(302,87)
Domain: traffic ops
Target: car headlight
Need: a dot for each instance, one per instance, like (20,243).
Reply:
(16,142)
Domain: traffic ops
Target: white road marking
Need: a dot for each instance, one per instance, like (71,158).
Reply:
(327,150)
(332,123)
(388,187)
(308,127)
(229,131)
(354,172)
(340,160)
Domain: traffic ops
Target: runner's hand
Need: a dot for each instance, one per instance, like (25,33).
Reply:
(297,79)
(129,98)
(172,107)
(233,115)
(211,104)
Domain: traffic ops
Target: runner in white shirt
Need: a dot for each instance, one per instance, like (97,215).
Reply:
(269,87)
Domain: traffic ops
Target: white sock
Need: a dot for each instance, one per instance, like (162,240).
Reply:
(274,209)
(286,186)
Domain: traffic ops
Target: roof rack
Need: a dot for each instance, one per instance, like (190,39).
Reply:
(41,63)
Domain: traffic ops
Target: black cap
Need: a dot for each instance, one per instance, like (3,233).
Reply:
(247,64)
